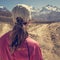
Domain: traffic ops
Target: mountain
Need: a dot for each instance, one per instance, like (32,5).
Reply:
(4,11)
(35,11)
(49,8)
(48,13)
(2,8)
(5,14)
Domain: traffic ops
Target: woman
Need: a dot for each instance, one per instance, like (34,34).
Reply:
(16,44)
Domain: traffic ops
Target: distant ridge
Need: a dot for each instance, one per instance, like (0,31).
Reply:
(5,14)
(47,13)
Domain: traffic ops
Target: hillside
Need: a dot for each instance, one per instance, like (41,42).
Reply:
(47,35)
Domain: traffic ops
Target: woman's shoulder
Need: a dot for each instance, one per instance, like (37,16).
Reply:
(4,37)
(32,42)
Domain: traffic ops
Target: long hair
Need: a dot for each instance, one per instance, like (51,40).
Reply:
(18,30)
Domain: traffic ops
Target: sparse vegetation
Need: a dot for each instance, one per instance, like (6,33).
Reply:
(47,35)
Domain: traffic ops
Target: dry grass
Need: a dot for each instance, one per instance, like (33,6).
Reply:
(47,35)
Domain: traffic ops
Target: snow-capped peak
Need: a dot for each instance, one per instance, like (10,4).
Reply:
(2,8)
(52,8)
(48,9)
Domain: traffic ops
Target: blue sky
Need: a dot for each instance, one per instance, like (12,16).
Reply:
(35,3)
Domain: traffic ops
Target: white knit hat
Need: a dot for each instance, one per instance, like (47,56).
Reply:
(21,10)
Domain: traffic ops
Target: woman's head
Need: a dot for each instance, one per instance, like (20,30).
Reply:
(23,11)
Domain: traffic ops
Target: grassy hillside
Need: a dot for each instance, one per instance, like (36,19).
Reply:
(47,35)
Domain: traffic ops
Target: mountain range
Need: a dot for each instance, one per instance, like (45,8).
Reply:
(48,13)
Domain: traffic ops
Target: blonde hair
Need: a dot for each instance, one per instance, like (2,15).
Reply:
(21,10)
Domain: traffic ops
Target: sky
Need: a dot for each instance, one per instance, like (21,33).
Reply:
(9,4)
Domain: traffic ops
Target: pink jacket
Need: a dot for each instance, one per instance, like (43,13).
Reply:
(29,50)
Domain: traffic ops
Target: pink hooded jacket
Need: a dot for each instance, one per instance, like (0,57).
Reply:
(29,50)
